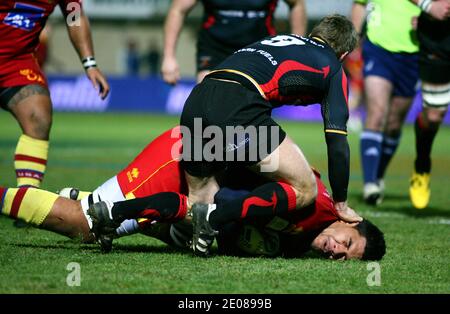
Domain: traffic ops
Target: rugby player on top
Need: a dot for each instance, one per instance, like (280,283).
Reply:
(241,92)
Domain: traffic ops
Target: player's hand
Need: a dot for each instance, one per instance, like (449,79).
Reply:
(440,9)
(346,213)
(170,71)
(98,81)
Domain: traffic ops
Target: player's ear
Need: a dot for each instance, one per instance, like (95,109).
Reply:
(342,57)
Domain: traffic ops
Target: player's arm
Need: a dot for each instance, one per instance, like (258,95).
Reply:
(358,14)
(297,17)
(80,35)
(172,28)
(439,9)
(335,115)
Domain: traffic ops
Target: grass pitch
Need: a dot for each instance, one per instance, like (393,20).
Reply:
(87,149)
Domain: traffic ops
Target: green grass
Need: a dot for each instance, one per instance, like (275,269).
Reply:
(87,149)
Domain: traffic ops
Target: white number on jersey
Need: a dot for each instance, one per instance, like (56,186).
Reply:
(283,40)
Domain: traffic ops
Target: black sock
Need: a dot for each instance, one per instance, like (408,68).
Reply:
(268,200)
(226,195)
(425,135)
(165,206)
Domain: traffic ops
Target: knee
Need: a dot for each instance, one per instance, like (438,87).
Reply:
(374,121)
(435,117)
(394,125)
(41,124)
(203,194)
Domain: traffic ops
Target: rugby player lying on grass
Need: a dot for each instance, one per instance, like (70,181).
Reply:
(149,196)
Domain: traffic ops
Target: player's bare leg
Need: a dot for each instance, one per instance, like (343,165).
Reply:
(32,108)
(46,210)
(378,94)
(66,218)
(201,190)
(201,193)
(398,110)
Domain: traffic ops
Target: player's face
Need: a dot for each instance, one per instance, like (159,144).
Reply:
(340,241)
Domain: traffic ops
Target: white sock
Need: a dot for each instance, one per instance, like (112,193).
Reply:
(85,207)
(211,208)
(128,227)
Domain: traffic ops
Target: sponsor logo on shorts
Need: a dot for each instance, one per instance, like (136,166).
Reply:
(369,65)
(230,143)
(232,146)
(32,76)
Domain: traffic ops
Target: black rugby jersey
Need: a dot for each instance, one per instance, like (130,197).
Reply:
(238,23)
(434,36)
(293,70)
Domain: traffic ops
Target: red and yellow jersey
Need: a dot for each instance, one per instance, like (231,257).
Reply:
(156,169)
(316,216)
(21,70)
(22,21)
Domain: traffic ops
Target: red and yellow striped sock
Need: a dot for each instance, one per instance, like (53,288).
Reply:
(30,205)
(30,161)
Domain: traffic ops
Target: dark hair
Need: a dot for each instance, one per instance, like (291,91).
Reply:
(375,244)
(338,32)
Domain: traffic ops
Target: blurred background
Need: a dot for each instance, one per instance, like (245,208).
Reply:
(128,40)
(136,26)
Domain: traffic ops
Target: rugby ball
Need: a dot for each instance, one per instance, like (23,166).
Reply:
(258,241)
